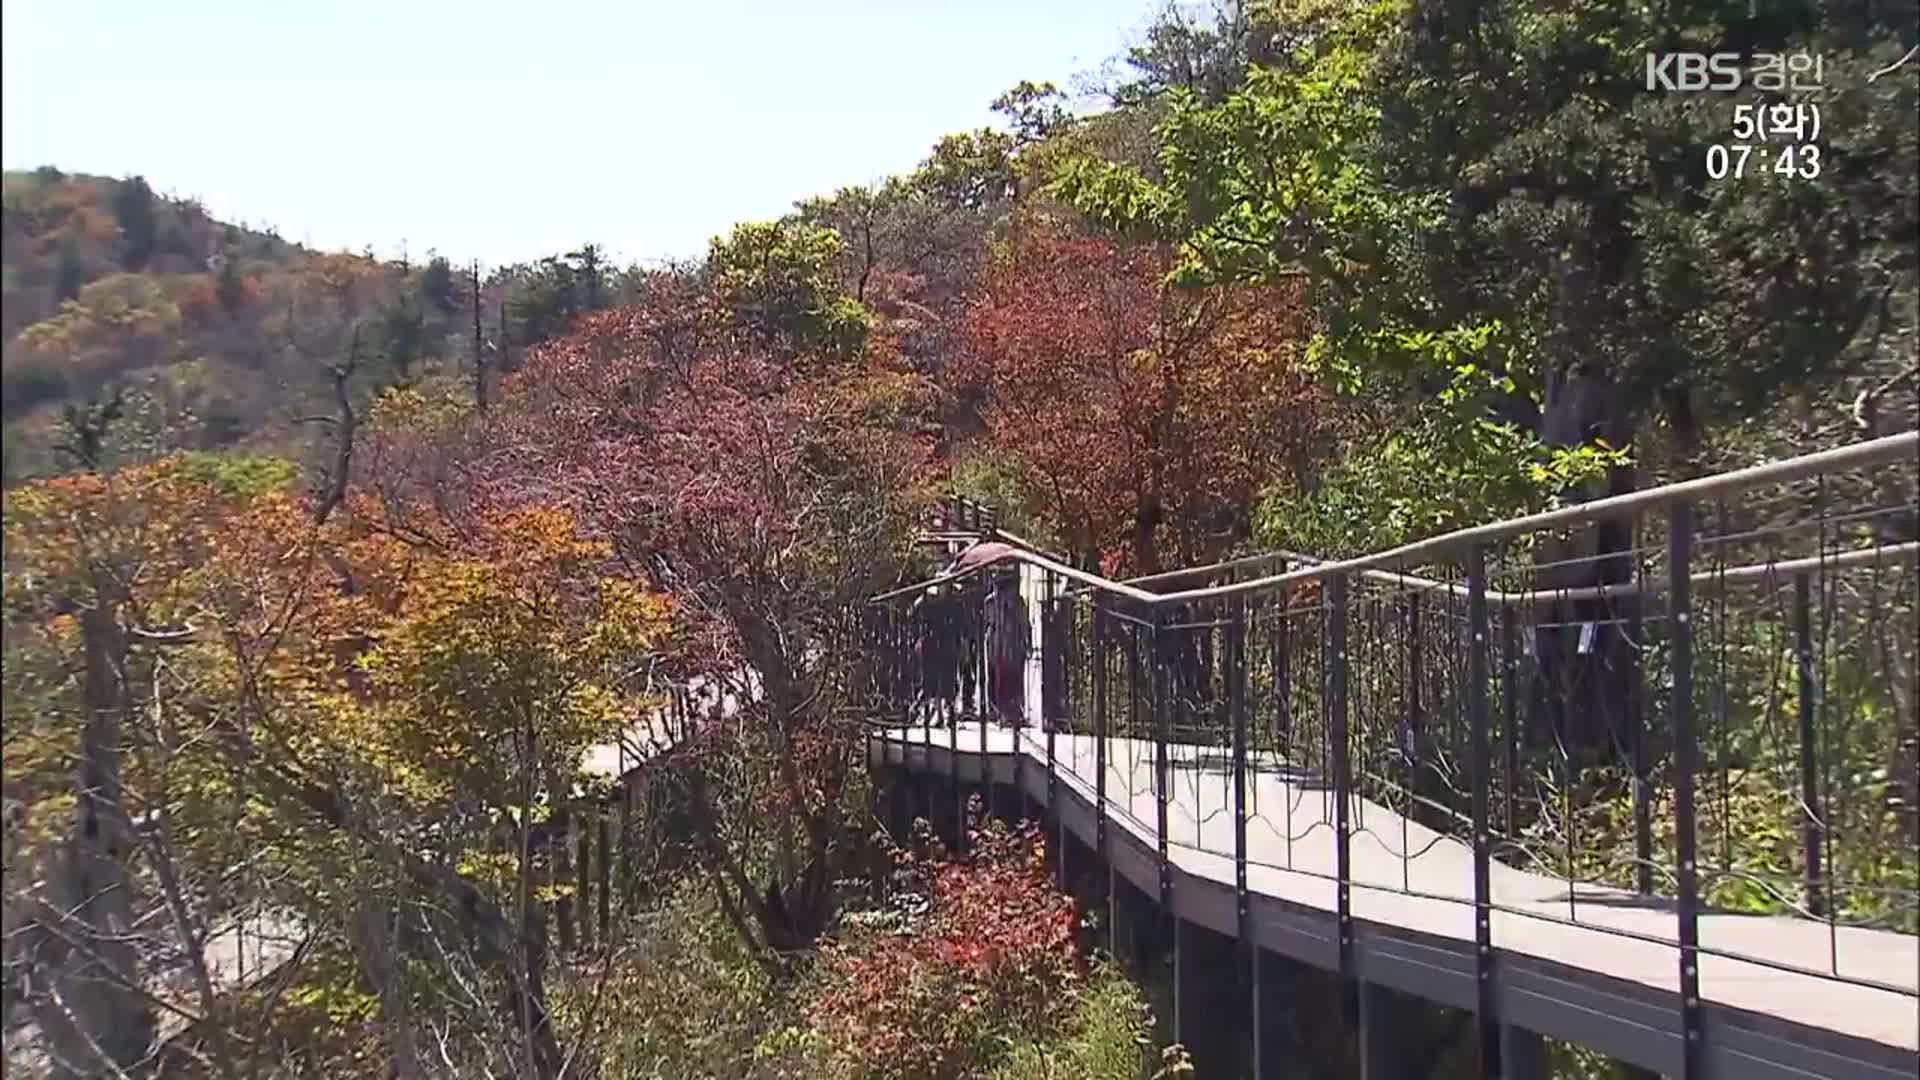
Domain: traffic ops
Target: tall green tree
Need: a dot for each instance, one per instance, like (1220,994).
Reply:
(133,207)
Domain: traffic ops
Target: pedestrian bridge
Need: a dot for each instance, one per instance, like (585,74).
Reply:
(1638,775)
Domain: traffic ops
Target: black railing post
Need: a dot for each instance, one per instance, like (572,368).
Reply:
(1020,729)
(1477,672)
(1052,669)
(1054,713)
(1100,747)
(998,607)
(967,659)
(1642,768)
(1809,765)
(1686,761)
(1162,704)
(1336,705)
(1509,710)
(1416,664)
(1237,716)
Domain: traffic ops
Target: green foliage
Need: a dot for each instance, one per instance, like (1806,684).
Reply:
(685,999)
(777,279)
(133,207)
(437,285)
(1107,1036)
(544,297)
(1035,110)
(242,477)
(1423,480)
(994,478)
(970,169)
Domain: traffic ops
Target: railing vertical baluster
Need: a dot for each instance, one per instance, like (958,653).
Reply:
(1477,672)
(1336,705)
(1642,768)
(1020,728)
(990,618)
(1510,709)
(1100,748)
(1052,708)
(1162,704)
(966,635)
(1809,765)
(1410,737)
(1237,715)
(1686,760)
(1049,690)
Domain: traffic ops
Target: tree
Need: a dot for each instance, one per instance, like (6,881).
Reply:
(1149,415)
(1204,52)
(1494,215)
(543,298)
(1623,282)
(437,285)
(403,327)
(767,507)
(776,280)
(230,287)
(357,732)
(590,274)
(133,207)
(70,273)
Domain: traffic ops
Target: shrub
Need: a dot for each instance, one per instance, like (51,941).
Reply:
(939,997)
(686,1000)
(1108,1036)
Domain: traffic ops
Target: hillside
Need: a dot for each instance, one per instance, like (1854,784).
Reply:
(200,334)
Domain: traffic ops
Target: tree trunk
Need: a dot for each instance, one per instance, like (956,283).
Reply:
(372,937)
(95,1008)
(1582,674)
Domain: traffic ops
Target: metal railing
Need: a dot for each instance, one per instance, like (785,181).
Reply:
(1641,716)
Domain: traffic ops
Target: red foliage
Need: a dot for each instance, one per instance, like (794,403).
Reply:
(1146,414)
(995,949)
(767,495)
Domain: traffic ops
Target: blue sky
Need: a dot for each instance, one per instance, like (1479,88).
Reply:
(507,131)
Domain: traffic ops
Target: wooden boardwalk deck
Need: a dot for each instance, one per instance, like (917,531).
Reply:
(1414,883)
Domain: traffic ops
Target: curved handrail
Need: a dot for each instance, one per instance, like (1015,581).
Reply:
(1872,452)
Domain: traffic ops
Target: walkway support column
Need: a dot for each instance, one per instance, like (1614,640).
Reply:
(1523,1054)
(1383,1036)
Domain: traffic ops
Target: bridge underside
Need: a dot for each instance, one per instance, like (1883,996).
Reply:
(1591,966)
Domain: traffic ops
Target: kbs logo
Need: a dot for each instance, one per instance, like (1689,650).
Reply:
(1694,71)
